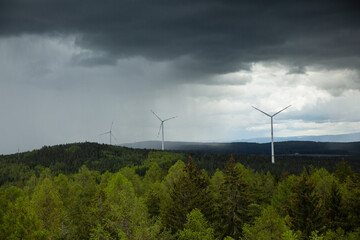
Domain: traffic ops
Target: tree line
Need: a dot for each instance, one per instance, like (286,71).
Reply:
(68,158)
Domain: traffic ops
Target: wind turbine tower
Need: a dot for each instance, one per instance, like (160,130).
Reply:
(162,128)
(272,132)
(110,132)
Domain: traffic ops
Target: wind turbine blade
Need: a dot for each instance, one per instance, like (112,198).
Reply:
(262,111)
(281,110)
(159,129)
(170,118)
(114,137)
(156,115)
(104,133)
(111,125)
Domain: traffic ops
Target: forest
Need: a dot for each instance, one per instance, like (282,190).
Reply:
(98,191)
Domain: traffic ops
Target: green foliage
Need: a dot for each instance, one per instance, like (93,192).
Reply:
(281,199)
(316,236)
(351,203)
(235,200)
(196,227)
(214,188)
(48,207)
(269,226)
(163,159)
(21,222)
(128,214)
(339,234)
(323,181)
(154,198)
(335,213)
(305,208)
(343,170)
(82,189)
(188,192)
(130,174)
(290,235)
(174,174)
(228,238)
(153,174)
(92,191)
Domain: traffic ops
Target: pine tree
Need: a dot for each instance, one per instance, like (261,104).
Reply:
(82,191)
(343,170)
(305,208)
(101,212)
(127,217)
(351,196)
(334,209)
(154,198)
(269,226)
(234,202)
(18,219)
(196,227)
(188,192)
(48,207)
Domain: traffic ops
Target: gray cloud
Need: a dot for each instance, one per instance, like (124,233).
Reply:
(68,68)
(214,36)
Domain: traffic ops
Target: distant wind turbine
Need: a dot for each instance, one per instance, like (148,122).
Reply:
(109,132)
(162,128)
(272,133)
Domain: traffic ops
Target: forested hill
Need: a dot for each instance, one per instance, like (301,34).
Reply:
(290,147)
(68,158)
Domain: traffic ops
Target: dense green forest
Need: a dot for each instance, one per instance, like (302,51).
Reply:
(97,191)
(287,147)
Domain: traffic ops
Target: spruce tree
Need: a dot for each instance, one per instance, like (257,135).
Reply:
(305,208)
(187,193)
(334,209)
(234,202)
(196,227)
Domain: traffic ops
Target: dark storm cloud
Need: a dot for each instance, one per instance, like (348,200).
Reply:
(200,36)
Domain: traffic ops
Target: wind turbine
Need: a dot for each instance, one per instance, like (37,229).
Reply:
(109,132)
(162,128)
(272,133)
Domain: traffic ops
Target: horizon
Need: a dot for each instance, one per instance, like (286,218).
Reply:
(316,139)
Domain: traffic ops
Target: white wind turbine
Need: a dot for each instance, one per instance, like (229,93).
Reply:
(162,128)
(272,133)
(109,132)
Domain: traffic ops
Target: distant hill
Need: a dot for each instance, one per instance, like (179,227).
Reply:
(352,137)
(291,157)
(281,148)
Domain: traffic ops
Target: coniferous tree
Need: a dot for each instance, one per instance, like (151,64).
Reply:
(343,170)
(187,193)
(196,227)
(101,213)
(154,198)
(21,222)
(234,202)
(48,207)
(269,226)
(334,209)
(82,192)
(305,208)
(351,196)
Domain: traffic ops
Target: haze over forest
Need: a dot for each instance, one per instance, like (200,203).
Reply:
(69,68)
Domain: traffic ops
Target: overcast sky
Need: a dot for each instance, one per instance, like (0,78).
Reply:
(69,68)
